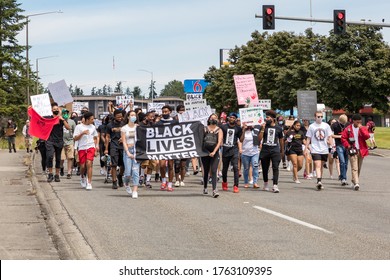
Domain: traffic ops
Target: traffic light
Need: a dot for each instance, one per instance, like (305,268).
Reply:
(269,17)
(339,22)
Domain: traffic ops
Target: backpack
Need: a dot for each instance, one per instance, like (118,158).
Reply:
(210,140)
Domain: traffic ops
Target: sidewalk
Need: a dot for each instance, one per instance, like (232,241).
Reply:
(23,230)
(380,152)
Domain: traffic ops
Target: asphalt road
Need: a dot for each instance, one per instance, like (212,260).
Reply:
(298,223)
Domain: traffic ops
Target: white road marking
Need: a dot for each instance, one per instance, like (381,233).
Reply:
(291,219)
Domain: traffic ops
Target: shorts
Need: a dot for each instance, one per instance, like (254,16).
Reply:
(293,152)
(371,136)
(149,163)
(321,157)
(85,155)
(116,155)
(67,152)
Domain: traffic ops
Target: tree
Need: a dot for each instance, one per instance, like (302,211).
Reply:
(354,70)
(13,80)
(282,63)
(174,88)
(137,93)
(152,90)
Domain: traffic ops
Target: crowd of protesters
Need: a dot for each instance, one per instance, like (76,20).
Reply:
(76,141)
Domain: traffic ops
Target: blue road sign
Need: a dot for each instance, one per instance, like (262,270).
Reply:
(194,86)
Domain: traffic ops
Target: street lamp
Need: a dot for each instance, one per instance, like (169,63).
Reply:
(37,69)
(151,82)
(27,59)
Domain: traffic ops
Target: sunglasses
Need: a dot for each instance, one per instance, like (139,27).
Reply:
(319,117)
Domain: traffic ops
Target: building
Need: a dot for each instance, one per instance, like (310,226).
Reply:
(98,104)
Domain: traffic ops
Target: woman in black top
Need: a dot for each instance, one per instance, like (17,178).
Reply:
(295,138)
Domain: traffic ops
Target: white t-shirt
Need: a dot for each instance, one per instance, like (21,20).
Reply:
(248,149)
(86,141)
(356,136)
(129,133)
(319,134)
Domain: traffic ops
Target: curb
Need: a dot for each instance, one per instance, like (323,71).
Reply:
(67,238)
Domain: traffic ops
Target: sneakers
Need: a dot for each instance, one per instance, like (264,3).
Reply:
(297,181)
(284,165)
(275,189)
(205,191)
(57,178)
(215,194)
(134,195)
(156,177)
(343,182)
(115,185)
(102,171)
(163,186)
(88,187)
(69,176)
(50,178)
(250,182)
(177,184)
(356,187)
(83,183)
(62,171)
(319,186)
(148,184)
(235,189)
(182,184)
(196,171)
(128,190)
(246,186)
(265,188)
(225,186)
(170,189)
(120,181)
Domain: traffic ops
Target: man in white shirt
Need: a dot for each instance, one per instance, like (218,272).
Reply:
(318,135)
(88,147)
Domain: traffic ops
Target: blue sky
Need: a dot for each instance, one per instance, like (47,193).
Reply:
(171,38)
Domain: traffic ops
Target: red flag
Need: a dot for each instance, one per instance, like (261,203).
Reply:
(40,127)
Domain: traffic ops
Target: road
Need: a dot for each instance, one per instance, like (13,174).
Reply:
(298,223)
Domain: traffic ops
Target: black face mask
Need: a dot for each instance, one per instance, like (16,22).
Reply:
(56,112)
(165,116)
(213,122)
(268,122)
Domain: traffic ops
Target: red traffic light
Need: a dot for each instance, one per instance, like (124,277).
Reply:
(340,15)
(269,11)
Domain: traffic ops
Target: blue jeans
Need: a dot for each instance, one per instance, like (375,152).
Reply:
(342,153)
(131,168)
(247,161)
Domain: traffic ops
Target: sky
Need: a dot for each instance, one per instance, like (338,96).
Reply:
(97,42)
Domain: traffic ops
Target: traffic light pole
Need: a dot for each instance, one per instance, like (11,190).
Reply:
(367,23)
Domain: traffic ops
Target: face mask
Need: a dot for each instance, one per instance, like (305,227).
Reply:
(56,112)
(318,120)
(268,122)
(65,116)
(280,122)
(133,119)
(166,116)
(213,122)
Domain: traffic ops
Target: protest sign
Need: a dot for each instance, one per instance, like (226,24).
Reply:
(41,104)
(124,100)
(264,104)
(173,141)
(199,114)
(194,96)
(251,116)
(156,107)
(195,104)
(246,90)
(60,93)
(77,106)
(307,104)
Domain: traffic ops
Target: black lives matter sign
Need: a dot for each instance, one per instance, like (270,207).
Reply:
(174,141)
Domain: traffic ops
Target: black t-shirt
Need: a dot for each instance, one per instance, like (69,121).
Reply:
(57,133)
(296,138)
(231,135)
(102,130)
(271,137)
(337,129)
(115,136)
